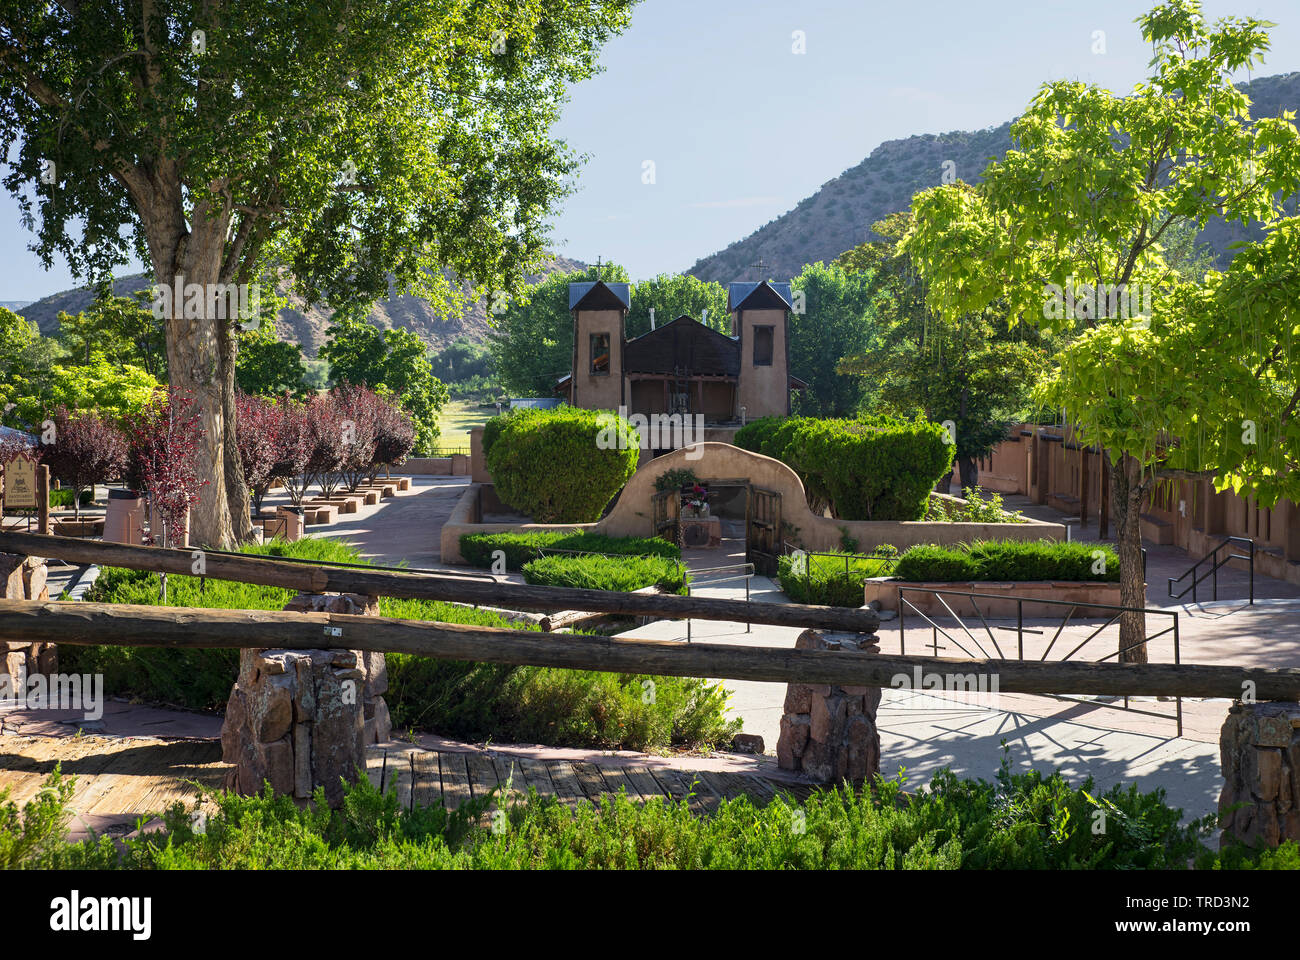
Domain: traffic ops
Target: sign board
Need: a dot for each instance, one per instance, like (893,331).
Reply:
(21,489)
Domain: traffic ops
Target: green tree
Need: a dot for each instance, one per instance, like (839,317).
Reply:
(1202,375)
(394,360)
(977,372)
(122,329)
(672,295)
(113,390)
(267,366)
(26,362)
(836,322)
(348,141)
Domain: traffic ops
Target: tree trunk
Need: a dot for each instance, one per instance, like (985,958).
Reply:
(236,488)
(969,473)
(1128,490)
(194,363)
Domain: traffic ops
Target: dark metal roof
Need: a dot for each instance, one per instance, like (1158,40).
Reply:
(599,295)
(685,345)
(754,296)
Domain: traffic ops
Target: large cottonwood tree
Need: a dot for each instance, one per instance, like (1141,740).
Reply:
(345,142)
(1202,377)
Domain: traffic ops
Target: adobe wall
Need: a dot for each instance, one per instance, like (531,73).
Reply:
(632,516)
(1188,514)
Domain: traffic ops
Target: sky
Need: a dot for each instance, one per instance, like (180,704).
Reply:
(739,127)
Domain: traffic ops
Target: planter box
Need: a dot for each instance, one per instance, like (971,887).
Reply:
(320,513)
(883,592)
(79,528)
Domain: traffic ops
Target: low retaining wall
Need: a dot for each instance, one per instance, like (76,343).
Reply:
(1259,749)
(632,514)
(457,465)
(882,592)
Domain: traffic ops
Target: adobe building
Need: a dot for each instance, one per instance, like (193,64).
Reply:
(683,367)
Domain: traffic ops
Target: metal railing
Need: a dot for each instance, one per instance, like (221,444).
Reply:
(1020,630)
(728,576)
(1213,572)
(887,560)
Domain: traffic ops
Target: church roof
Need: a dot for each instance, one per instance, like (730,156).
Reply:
(765,294)
(599,295)
(683,346)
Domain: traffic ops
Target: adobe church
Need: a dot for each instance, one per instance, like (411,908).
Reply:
(683,367)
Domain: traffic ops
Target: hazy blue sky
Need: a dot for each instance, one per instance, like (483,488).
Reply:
(740,128)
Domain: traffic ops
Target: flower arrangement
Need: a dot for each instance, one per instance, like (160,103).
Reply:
(695,498)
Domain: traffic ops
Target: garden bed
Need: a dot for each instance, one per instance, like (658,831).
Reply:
(882,593)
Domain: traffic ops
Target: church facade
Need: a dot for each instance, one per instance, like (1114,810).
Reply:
(683,367)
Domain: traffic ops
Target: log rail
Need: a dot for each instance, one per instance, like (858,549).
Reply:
(188,627)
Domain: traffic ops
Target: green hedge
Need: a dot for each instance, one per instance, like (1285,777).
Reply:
(562,465)
(519,548)
(1021,821)
(866,469)
(824,580)
(607,573)
(1006,560)
(465,699)
(62,497)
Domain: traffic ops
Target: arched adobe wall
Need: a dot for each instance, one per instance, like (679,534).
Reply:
(632,516)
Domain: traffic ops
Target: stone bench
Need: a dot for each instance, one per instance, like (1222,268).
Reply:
(319,513)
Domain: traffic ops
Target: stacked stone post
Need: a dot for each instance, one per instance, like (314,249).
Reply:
(1259,748)
(302,719)
(23,578)
(829,731)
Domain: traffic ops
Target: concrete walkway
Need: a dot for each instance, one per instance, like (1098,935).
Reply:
(401,529)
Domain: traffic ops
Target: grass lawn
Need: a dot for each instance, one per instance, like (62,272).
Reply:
(456,418)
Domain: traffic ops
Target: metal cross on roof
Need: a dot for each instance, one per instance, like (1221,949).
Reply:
(760,267)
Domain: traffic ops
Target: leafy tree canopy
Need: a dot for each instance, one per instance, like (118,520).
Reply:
(397,360)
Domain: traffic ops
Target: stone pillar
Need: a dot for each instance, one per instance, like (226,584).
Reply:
(303,718)
(23,578)
(829,732)
(1259,748)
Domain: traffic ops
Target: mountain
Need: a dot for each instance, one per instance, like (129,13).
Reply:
(839,215)
(307,325)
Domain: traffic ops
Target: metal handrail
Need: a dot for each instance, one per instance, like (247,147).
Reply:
(1118,611)
(746,574)
(1214,570)
(888,560)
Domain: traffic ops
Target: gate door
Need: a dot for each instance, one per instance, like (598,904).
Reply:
(763,530)
(666,506)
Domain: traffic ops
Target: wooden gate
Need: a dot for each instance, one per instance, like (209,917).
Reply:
(667,505)
(763,530)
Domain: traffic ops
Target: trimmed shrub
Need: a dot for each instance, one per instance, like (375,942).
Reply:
(519,548)
(562,465)
(865,469)
(1009,560)
(63,497)
(607,573)
(880,469)
(752,434)
(465,699)
(826,580)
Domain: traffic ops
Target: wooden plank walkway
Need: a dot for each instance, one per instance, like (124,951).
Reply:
(422,776)
(119,780)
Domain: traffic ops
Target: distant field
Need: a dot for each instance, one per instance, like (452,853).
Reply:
(456,419)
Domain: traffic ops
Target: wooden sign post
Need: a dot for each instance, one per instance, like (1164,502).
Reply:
(27,487)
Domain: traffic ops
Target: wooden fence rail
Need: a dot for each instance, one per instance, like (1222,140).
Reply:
(313,578)
(132,625)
